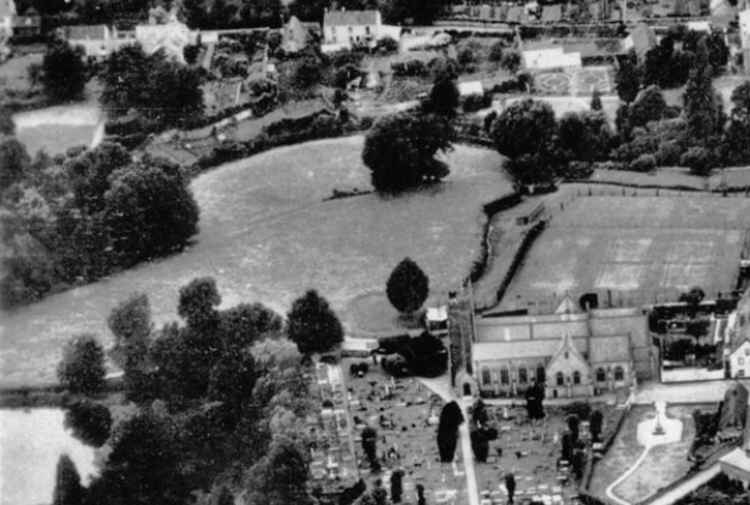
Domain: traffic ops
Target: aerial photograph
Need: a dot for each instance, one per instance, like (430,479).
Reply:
(374,252)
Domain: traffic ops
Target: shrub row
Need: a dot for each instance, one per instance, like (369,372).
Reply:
(523,249)
(490,209)
(320,124)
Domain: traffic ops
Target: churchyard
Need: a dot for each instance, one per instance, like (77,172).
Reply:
(662,464)
(405,414)
(268,232)
(641,248)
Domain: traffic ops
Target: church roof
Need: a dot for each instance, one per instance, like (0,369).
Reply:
(567,349)
(608,349)
(496,351)
(350,18)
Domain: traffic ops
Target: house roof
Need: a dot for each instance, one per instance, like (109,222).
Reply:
(350,18)
(567,348)
(27,20)
(567,306)
(515,14)
(494,351)
(470,88)
(82,32)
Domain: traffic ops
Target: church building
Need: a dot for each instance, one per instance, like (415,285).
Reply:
(575,353)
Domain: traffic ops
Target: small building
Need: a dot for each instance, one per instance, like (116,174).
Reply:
(96,40)
(549,58)
(552,14)
(470,88)
(738,359)
(170,38)
(296,35)
(723,13)
(28,25)
(353,28)
(436,320)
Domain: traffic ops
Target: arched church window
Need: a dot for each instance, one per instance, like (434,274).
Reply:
(523,376)
(619,373)
(601,375)
(559,378)
(504,376)
(576,377)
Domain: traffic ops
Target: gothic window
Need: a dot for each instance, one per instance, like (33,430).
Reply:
(486,379)
(523,377)
(541,376)
(576,377)
(504,376)
(619,373)
(601,375)
(559,378)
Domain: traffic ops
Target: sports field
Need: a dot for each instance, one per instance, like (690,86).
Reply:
(639,248)
(267,235)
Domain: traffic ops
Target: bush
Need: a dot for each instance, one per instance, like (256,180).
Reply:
(496,52)
(511,61)
(475,102)
(668,153)
(643,163)
(81,369)
(89,421)
(387,45)
(698,159)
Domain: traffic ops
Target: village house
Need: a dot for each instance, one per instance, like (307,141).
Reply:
(573,352)
(296,35)
(96,40)
(343,29)
(28,25)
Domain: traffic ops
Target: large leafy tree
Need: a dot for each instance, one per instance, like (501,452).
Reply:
(198,301)
(89,421)
(245,324)
(63,72)
(312,324)
(584,136)
(451,418)
(68,489)
(143,467)
(81,369)
(443,99)
(407,287)
(161,90)
(420,12)
(525,133)
(149,210)
(130,323)
(280,478)
(400,151)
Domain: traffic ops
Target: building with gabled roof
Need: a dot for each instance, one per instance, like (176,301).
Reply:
(349,28)
(606,349)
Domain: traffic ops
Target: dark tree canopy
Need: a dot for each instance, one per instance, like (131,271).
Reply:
(280,478)
(451,418)
(584,136)
(143,467)
(312,324)
(161,90)
(7,125)
(152,210)
(81,369)
(596,100)
(14,162)
(232,378)
(702,105)
(68,489)
(738,130)
(198,301)
(247,323)
(627,78)
(407,287)
(443,99)
(648,106)
(400,151)
(63,72)
(89,421)
(130,323)
(524,127)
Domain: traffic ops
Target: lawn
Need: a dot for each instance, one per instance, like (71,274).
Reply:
(55,129)
(663,465)
(639,248)
(267,235)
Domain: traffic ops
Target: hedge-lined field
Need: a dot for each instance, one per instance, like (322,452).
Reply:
(267,235)
(637,247)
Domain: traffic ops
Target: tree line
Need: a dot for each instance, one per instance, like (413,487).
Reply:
(221,401)
(74,218)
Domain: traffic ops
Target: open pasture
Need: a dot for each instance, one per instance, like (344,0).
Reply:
(639,248)
(268,233)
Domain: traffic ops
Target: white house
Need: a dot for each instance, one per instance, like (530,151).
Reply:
(343,29)
(96,40)
(169,37)
(739,359)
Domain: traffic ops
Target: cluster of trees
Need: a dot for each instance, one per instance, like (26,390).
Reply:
(63,73)
(222,400)
(481,432)
(160,90)
(76,218)
(668,64)
(540,148)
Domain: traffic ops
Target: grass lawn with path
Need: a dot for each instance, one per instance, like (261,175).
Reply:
(267,235)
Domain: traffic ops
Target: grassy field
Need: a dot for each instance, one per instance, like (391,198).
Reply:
(266,235)
(640,248)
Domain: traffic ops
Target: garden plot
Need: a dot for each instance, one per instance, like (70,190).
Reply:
(267,235)
(638,248)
